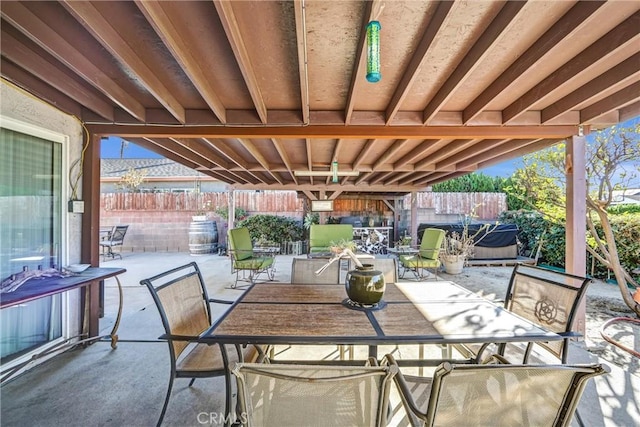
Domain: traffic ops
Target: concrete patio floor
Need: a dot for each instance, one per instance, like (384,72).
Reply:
(125,387)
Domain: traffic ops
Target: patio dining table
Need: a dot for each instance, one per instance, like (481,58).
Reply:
(410,313)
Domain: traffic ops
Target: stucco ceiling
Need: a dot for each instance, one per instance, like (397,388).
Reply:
(250,92)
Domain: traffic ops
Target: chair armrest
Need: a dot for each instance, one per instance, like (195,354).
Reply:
(495,359)
(179,337)
(220,301)
(405,389)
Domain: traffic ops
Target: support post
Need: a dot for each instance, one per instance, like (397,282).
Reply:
(414,218)
(576,214)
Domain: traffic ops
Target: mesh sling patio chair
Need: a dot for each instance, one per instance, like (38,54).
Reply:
(303,271)
(427,257)
(313,395)
(114,239)
(495,394)
(182,301)
(545,297)
(243,259)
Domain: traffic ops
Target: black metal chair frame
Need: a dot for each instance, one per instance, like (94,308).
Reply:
(430,389)
(113,239)
(173,277)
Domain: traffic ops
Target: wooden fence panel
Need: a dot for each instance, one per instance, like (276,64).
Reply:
(160,221)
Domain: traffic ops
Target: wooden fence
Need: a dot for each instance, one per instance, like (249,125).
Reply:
(160,221)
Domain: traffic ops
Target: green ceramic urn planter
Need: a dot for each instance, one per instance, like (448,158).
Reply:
(365,285)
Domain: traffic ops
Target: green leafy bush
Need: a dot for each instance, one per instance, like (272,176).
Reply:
(273,228)
(624,209)
(531,225)
(626,229)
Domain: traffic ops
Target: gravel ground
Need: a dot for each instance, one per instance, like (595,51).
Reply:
(604,302)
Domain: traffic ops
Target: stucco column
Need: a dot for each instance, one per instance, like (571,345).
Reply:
(576,211)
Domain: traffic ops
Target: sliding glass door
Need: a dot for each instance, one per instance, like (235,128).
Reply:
(31,226)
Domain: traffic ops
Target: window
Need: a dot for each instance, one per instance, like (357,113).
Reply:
(31,233)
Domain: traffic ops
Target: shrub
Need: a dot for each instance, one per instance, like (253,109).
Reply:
(273,228)
(531,226)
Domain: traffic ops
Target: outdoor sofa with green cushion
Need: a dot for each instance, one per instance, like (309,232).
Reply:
(243,258)
(321,236)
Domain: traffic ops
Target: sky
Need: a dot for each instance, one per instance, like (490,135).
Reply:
(110,149)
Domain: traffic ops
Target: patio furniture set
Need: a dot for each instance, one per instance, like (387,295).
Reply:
(491,382)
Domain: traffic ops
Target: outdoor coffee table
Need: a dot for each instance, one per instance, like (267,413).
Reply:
(412,313)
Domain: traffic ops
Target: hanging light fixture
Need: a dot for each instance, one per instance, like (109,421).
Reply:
(334,171)
(373,52)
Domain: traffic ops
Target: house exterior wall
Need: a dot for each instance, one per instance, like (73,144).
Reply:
(19,105)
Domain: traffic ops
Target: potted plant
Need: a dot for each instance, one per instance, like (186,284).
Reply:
(459,246)
(457,249)
(339,246)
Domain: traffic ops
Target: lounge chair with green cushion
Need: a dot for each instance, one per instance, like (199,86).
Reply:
(243,259)
(426,258)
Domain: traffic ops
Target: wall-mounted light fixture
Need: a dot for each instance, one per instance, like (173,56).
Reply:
(373,52)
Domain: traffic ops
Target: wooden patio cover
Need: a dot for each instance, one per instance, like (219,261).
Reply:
(255,93)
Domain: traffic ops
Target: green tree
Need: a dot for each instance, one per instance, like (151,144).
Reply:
(541,184)
(471,183)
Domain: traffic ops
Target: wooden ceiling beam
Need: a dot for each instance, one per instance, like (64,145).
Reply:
(346,132)
(598,52)
(473,58)
(257,154)
(230,154)
(439,20)
(301,42)
(572,21)
(232,29)
(173,34)
(390,152)
(163,150)
(285,158)
(414,177)
(628,112)
(21,55)
(398,177)
(15,76)
(471,152)
(201,148)
(628,95)
(521,150)
(368,146)
(114,40)
(623,73)
(425,147)
(64,51)
(453,147)
(359,188)
(372,9)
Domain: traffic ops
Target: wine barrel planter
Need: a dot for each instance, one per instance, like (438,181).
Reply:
(203,237)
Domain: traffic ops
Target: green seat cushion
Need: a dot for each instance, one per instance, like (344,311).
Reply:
(253,263)
(319,249)
(413,261)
